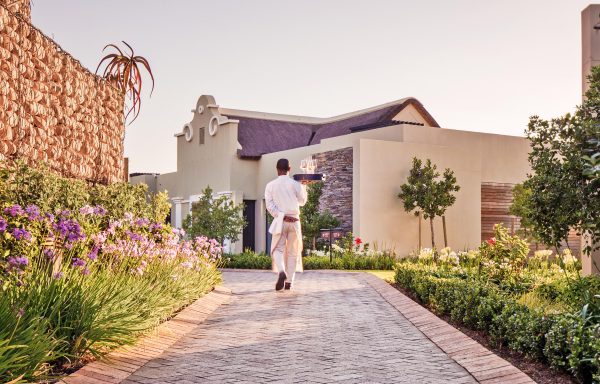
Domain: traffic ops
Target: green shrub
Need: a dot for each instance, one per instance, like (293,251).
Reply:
(251,260)
(569,342)
(24,185)
(247,260)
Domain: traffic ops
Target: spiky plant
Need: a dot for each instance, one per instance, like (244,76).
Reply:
(124,70)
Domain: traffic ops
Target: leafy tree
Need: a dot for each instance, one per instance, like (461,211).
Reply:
(312,220)
(520,207)
(215,218)
(563,195)
(427,193)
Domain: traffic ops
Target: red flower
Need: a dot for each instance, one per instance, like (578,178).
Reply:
(358,241)
(491,241)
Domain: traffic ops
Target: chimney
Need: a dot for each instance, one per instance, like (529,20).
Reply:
(590,42)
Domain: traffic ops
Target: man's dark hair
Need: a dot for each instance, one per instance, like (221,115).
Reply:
(283,165)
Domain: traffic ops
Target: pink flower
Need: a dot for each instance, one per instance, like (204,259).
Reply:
(491,241)
(358,241)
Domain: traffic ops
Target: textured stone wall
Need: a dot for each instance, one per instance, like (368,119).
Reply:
(337,190)
(21,8)
(52,109)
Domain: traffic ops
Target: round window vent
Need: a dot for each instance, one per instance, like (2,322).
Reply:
(188,132)
(213,125)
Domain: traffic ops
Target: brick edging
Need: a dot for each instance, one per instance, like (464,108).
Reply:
(485,366)
(123,362)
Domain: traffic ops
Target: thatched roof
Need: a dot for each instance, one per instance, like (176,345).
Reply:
(260,133)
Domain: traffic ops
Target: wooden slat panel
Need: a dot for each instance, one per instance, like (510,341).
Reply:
(496,199)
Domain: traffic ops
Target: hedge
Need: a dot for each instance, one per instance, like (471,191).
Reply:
(256,261)
(566,341)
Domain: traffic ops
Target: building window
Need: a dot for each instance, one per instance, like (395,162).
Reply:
(201,135)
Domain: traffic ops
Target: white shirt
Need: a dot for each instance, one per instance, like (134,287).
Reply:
(285,196)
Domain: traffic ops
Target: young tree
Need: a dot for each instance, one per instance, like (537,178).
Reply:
(426,192)
(520,207)
(312,220)
(564,191)
(215,218)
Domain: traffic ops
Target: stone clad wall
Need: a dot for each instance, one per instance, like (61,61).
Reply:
(52,109)
(337,190)
(20,7)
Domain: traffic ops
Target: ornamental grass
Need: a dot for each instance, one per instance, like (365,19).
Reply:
(75,284)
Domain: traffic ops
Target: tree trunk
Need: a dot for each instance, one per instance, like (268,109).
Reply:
(420,219)
(314,243)
(432,236)
(445,236)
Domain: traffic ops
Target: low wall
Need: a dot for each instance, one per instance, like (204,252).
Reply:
(52,109)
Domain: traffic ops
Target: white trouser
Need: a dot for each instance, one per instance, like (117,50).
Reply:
(287,250)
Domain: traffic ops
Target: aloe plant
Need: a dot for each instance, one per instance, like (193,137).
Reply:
(124,70)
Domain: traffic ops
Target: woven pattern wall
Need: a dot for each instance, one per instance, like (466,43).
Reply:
(53,110)
(19,7)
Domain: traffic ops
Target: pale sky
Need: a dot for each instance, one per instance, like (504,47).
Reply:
(476,65)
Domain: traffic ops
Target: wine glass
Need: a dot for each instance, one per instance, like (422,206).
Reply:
(303,165)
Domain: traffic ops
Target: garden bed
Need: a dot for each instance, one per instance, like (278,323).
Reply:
(541,373)
(86,269)
(539,308)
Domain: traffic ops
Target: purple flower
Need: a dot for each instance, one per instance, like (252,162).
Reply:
(17,262)
(15,210)
(3,225)
(134,236)
(155,227)
(86,271)
(21,234)
(33,212)
(99,210)
(69,230)
(142,222)
(58,275)
(48,253)
(86,210)
(65,213)
(21,312)
(93,255)
(50,217)
(77,262)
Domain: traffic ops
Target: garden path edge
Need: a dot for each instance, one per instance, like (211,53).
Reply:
(124,361)
(485,366)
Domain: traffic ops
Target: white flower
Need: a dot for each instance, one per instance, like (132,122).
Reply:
(426,254)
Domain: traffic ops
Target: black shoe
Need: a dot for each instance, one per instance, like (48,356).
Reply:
(280,281)
(288,286)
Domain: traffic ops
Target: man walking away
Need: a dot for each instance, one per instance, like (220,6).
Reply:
(284,197)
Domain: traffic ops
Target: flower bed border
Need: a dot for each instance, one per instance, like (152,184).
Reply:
(481,363)
(123,362)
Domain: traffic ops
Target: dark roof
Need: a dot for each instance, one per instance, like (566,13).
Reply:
(259,136)
(134,174)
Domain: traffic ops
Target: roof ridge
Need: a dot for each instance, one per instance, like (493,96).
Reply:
(309,119)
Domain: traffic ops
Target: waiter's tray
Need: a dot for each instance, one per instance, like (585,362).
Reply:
(309,177)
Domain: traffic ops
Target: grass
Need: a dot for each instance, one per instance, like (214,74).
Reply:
(385,275)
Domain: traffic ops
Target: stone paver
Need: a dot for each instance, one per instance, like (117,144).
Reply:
(333,327)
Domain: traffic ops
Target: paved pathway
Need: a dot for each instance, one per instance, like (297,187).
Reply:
(333,327)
